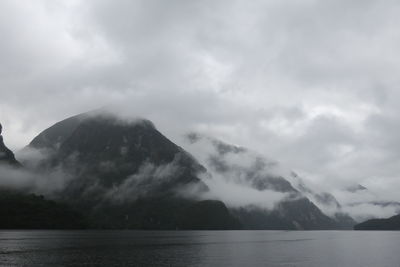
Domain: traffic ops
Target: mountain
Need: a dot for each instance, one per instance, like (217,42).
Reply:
(324,200)
(125,174)
(103,152)
(229,164)
(299,214)
(392,223)
(6,155)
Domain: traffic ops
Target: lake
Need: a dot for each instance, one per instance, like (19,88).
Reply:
(199,248)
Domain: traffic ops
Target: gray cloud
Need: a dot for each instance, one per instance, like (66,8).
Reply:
(238,177)
(310,83)
(49,184)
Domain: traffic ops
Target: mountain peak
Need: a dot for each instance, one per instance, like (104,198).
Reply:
(52,137)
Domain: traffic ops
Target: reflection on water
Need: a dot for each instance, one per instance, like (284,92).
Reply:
(199,248)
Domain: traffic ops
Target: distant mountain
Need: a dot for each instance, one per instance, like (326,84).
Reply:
(322,198)
(238,165)
(226,160)
(6,155)
(299,214)
(392,223)
(126,174)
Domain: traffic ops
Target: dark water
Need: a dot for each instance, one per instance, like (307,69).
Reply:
(199,248)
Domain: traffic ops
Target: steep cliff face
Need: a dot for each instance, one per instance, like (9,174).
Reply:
(6,155)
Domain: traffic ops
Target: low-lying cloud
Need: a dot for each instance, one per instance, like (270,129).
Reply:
(238,177)
(46,183)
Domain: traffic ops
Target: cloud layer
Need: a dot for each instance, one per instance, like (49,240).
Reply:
(310,83)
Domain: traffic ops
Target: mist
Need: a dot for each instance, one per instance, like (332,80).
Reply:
(234,174)
(25,180)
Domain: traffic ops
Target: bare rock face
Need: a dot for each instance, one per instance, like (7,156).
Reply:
(6,155)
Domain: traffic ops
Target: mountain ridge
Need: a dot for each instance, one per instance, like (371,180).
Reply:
(127,174)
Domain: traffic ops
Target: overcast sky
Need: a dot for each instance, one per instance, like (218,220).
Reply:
(313,84)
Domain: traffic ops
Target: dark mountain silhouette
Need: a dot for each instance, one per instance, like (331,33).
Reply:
(6,155)
(106,151)
(126,173)
(392,223)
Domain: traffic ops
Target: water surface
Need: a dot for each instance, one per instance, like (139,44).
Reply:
(199,248)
